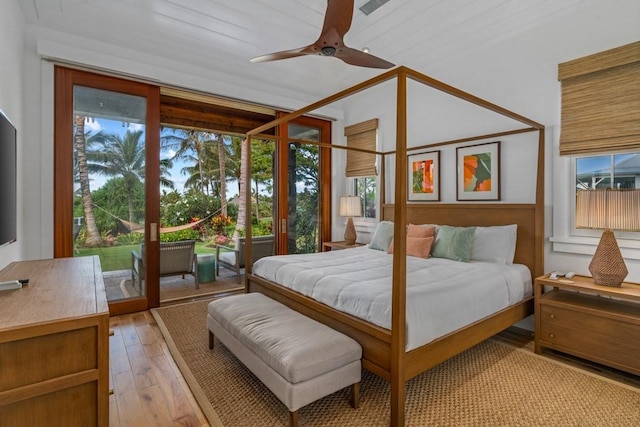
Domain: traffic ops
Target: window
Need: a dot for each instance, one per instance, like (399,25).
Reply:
(610,171)
(362,137)
(365,188)
(600,106)
(361,164)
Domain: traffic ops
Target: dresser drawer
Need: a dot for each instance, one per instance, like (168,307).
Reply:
(601,338)
(41,358)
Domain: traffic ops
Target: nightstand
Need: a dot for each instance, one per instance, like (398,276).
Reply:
(594,322)
(334,246)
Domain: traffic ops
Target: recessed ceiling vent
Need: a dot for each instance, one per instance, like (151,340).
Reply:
(371,6)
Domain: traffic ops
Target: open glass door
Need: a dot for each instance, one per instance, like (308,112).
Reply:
(109,193)
(103,205)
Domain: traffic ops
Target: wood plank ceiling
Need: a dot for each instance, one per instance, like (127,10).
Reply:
(220,36)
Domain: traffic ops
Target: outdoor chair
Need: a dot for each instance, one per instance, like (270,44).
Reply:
(234,257)
(176,258)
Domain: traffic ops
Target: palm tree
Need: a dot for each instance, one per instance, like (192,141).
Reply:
(93,234)
(261,166)
(222,174)
(261,162)
(193,145)
(125,157)
(234,159)
(242,183)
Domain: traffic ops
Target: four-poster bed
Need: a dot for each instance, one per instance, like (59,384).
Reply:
(384,349)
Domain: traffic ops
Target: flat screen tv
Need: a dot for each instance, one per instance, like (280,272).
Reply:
(8,189)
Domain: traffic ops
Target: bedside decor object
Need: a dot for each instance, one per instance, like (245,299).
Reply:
(610,210)
(424,177)
(478,176)
(350,206)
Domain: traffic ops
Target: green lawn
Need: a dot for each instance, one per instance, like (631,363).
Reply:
(119,257)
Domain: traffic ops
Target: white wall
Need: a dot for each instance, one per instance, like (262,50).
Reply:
(11,102)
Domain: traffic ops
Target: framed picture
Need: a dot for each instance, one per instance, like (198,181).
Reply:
(424,177)
(478,176)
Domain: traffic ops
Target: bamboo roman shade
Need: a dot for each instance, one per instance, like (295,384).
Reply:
(601,102)
(361,136)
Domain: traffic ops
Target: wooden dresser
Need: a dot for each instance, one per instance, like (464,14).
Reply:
(597,323)
(54,344)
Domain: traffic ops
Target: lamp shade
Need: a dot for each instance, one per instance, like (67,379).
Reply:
(350,206)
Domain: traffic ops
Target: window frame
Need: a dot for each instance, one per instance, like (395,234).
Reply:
(586,232)
(565,237)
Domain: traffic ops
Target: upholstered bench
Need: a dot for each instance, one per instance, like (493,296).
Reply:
(298,359)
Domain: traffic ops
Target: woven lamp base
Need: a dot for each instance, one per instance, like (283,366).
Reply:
(350,233)
(607,266)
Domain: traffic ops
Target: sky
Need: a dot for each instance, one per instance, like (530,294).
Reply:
(597,163)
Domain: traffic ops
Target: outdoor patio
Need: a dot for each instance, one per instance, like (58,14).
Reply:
(118,285)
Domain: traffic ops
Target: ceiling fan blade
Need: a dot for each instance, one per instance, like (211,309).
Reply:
(338,17)
(362,59)
(337,21)
(285,54)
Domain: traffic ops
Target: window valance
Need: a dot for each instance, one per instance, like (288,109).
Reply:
(601,102)
(361,136)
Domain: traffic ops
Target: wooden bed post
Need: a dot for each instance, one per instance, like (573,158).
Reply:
(539,216)
(398,290)
(382,184)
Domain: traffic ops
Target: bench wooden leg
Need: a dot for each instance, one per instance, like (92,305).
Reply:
(210,340)
(355,395)
(293,419)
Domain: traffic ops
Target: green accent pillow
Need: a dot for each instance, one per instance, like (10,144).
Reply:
(454,243)
(382,236)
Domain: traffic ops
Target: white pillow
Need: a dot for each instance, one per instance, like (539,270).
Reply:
(495,244)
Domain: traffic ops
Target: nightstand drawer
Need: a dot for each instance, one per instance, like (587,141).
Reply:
(603,338)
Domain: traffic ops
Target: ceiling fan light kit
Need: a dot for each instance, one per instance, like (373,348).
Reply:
(337,21)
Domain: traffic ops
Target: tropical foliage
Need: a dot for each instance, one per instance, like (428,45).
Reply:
(210,166)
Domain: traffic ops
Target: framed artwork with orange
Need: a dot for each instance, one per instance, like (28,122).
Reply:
(478,176)
(424,177)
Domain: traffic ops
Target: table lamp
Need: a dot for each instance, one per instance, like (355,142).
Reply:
(350,206)
(608,210)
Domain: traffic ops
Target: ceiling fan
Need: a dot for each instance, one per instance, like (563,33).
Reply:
(337,21)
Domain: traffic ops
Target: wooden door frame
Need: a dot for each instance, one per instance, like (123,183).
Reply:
(65,80)
(281,172)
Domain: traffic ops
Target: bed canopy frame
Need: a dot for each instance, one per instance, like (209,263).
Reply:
(384,350)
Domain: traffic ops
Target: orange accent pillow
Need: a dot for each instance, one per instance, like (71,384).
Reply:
(416,246)
(421,231)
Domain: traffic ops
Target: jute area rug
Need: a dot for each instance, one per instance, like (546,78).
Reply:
(491,384)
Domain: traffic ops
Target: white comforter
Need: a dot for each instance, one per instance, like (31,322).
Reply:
(442,295)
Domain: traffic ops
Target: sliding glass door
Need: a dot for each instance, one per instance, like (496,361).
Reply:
(105,136)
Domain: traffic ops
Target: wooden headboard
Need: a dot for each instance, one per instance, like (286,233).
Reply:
(480,214)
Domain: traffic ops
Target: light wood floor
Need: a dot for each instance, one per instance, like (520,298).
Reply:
(149,389)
